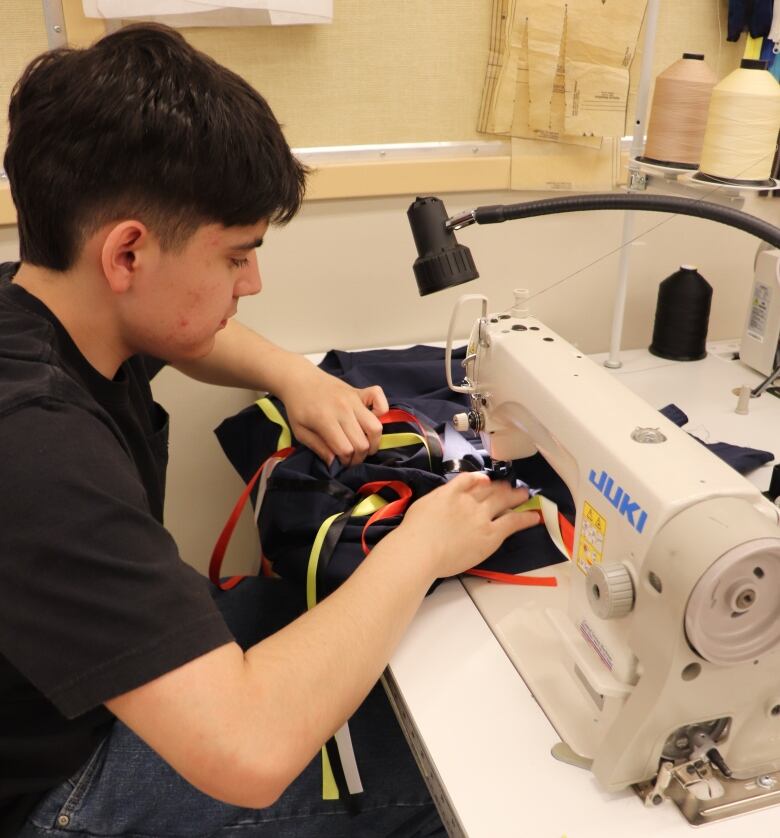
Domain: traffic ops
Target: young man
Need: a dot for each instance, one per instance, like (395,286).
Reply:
(145,176)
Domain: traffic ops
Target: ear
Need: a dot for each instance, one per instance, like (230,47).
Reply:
(128,248)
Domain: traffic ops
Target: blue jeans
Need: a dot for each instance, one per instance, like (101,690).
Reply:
(126,790)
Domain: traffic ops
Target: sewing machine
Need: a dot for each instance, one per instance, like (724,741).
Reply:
(656,656)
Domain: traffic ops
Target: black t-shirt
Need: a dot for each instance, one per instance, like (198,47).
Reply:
(94,599)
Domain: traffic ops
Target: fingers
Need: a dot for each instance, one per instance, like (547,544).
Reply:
(316,443)
(374,399)
(498,495)
(350,437)
(360,431)
(513,522)
(375,405)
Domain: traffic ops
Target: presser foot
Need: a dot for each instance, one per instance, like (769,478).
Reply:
(704,795)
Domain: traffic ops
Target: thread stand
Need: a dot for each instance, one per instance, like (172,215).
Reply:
(636,181)
(666,180)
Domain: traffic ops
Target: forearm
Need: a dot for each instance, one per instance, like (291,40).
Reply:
(326,414)
(241,726)
(339,648)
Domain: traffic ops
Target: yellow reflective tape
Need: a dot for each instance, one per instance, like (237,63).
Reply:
(330,791)
(549,511)
(533,504)
(402,440)
(314,558)
(271,413)
(368,506)
(753,47)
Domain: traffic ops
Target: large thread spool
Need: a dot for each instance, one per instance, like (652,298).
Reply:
(742,127)
(678,116)
(682,315)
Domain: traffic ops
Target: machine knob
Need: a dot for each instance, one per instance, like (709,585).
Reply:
(610,590)
(471,421)
(460,422)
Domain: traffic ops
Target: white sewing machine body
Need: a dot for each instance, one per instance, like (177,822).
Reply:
(678,553)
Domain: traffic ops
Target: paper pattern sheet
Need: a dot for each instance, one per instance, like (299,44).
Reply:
(183,13)
(558,167)
(558,75)
(492,90)
(600,43)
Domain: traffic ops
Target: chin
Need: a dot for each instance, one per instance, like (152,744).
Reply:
(194,353)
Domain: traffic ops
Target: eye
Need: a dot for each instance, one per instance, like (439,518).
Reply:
(239,263)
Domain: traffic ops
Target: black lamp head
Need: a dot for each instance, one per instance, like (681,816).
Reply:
(442,262)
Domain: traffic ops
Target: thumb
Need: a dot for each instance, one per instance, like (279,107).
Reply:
(512,522)
(374,399)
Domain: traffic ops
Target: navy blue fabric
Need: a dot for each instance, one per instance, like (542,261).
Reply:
(302,491)
(413,376)
(753,15)
(742,459)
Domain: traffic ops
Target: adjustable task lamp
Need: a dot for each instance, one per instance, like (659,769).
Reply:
(443,263)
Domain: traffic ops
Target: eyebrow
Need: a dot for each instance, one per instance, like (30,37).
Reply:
(248,245)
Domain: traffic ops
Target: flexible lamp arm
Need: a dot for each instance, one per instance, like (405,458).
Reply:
(623,201)
(442,262)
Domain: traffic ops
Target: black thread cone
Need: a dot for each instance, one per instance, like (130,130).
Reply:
(682,316)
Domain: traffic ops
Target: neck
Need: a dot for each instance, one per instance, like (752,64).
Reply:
(78,300)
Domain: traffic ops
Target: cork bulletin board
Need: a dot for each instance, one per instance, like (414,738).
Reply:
(398,71)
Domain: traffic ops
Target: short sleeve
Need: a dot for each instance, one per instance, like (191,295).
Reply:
(95,598)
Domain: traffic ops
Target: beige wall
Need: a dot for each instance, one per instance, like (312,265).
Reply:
(398,71)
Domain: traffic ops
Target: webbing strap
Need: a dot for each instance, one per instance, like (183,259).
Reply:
(402,440)
(314,558)
(218,553)
(433,443)
(330,791)
(272,414)
(340,775)
(368,506)
(558,528)
(396,507)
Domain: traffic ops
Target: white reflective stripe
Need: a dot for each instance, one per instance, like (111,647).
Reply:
(550,516)
(348,761)
(269,467)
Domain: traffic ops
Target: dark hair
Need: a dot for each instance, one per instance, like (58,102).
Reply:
(141,125)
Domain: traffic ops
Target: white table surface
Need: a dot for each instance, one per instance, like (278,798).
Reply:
(486,739)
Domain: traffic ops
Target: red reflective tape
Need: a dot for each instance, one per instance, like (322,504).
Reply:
(511,579)
(218,553)
(396,414)
(395,507)
(567,533)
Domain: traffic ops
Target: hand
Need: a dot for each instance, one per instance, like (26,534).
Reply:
(333,418)
(461,524)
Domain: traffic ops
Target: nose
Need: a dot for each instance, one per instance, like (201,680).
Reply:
(249,282)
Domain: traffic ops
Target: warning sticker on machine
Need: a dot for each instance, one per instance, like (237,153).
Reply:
(758,311)
(592,534)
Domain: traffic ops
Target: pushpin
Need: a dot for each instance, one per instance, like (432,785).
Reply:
(743,400)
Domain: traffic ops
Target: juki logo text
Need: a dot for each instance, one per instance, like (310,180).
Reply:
(620,499)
